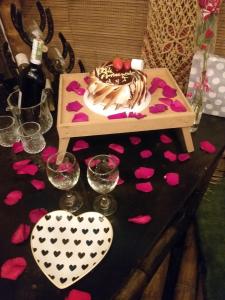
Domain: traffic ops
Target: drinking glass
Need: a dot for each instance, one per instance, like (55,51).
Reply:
(31,137)
(8,134)
(63,172)
(102,176)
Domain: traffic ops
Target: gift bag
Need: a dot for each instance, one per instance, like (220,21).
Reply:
(214,99)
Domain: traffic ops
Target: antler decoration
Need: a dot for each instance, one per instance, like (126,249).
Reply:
(45,14)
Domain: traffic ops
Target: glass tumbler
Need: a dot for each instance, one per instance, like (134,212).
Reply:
(8,132)
(31,137)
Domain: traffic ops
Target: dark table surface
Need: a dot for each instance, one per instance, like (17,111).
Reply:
(131,242)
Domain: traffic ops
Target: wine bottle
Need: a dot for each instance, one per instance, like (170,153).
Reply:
(32,78)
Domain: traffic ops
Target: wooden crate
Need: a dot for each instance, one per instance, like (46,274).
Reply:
(99,125)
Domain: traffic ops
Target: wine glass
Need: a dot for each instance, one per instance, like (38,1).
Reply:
(63,172)
(102,176)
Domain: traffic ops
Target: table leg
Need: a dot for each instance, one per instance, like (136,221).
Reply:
(63,144)
(188,139)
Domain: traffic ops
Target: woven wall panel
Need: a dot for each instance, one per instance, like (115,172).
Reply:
(97,30)
(220,40)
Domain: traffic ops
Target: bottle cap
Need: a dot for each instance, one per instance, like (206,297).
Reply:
(137,64)
(21,59)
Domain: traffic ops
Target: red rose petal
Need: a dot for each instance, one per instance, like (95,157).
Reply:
(72,86)
(48,151)
(80,117)
(80,91)
(136,115)
(36,214)
(74,106)
(143,172)
(80,145)
(121,115)
(172,178)
(66,167)
(135,140)
(166,101)
(19,164)
(165,139)
(145,187)
(38,184)
(28,169)
(78,295)
(146,153)
(156,83)
(116,159)
(117,148)
(170,155)
(87,160)
(177,106)
(141,219)
(157,108)
(183,156)
(87,79)
(17,147)
(207,147)
(13,268)
(120,181)
(21,234)
(169,92)
(13,197)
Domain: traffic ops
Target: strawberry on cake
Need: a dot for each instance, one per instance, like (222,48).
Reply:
(116,86)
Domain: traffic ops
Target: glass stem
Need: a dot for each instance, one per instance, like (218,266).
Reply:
(105,202)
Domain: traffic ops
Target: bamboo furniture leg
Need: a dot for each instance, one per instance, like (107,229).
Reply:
(188,139)
(63,144)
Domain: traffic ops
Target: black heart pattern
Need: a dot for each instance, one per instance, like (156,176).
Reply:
(59,239)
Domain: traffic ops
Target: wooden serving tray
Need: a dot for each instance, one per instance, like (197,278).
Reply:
(99,125)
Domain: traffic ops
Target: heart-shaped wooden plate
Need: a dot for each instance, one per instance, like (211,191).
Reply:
(67,247)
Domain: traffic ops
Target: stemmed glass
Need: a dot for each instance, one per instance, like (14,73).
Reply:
(63,172)
(102,176)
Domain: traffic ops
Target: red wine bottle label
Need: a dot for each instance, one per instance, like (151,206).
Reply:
(36,54)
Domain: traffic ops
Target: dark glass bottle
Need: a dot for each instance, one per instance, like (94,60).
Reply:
(32,78)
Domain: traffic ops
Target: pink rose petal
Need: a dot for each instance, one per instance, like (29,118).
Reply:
(17,147)
(156,83)
(87,160)
(121,115)
(74,106)
(145,187)
(80,117)
(166,101)
(115,159)
(78,295)
(28,169)
(141,219)
(165,139)
(13,197)
(157,108)
(87,79)
(48,151)
(72,86)
(136,115)
(38,184)
(170,155)
(80,91)
(117,148)
(169,92)
(146,153)
(13,268)
(135,140)
(143,172)
(66,167)
(183,156)
(207,147)
(21,234)
(172,178)
(177,106)
(120,181)
(80,145)
(36,214)
(19,164)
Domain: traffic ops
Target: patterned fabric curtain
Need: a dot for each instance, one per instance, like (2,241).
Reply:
(169,38)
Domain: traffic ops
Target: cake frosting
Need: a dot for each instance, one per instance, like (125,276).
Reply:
(114,89)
